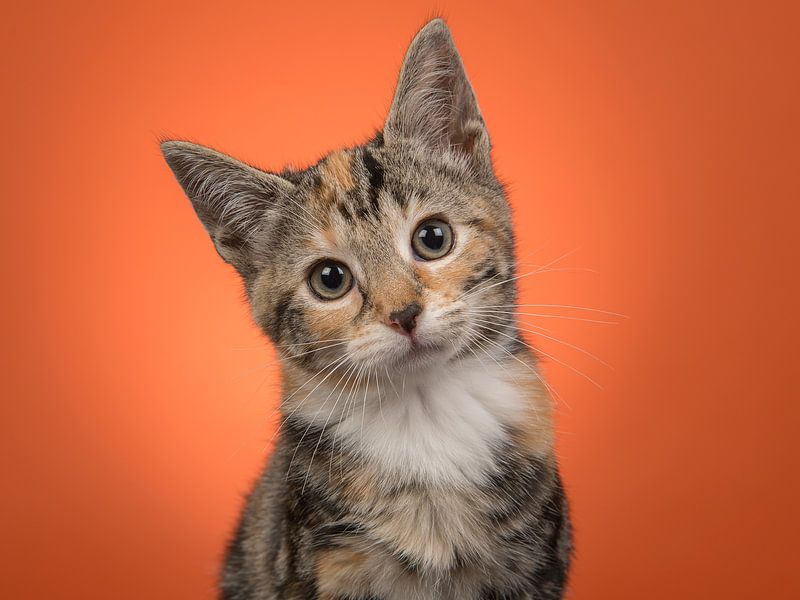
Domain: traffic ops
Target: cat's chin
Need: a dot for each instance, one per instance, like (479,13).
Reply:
(422,355)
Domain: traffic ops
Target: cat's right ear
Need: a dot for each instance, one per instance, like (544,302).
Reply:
(434,102)
(232,199)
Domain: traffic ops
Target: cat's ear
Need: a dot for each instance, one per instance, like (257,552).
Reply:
(434,101)
(232,199)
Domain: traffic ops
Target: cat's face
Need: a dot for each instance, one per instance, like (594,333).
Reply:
(376,257)
(384,260)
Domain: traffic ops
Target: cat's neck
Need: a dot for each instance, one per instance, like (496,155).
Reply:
(442,426)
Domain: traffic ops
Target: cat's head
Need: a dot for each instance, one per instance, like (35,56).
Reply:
(378,255)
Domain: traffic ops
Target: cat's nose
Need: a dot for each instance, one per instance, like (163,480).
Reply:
(405,319)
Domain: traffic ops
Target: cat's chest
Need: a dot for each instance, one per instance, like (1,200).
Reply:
(420,542)
(407,540)
(438,428)
(429,457)
(434,466)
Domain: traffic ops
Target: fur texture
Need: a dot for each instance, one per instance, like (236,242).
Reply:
(410,464)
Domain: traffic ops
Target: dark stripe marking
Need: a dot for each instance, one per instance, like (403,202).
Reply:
(376,176)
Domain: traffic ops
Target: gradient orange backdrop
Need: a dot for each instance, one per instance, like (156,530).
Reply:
(656,142)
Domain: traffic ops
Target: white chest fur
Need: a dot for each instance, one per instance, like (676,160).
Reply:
(438,426)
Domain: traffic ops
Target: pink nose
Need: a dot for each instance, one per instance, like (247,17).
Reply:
(405,319)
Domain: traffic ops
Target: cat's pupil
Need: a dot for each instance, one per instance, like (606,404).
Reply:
(432,236)
(332,276)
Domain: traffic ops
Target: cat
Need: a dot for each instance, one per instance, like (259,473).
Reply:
(415,455)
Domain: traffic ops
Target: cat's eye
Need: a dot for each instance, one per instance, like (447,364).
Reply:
(432,239)
(330,279)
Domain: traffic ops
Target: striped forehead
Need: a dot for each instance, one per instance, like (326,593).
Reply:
(350,182)
(364,197)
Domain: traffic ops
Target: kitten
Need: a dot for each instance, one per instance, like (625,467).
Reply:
(415,456)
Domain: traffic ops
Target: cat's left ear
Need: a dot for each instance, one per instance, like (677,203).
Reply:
(434,102)
(232,199)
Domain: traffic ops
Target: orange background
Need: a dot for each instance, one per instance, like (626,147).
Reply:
(657,141)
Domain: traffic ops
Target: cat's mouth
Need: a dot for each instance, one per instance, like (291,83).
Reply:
(419,351)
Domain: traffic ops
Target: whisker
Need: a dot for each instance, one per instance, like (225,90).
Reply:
(317,349)
(339,362)
(489,354)
(364,410)
(278,361)
(280,404)
(378,388)
(475,354)
(321,435)
(560,269)
(292,344)
(348,409)
(272,364)
(531,253)
(538,351)
(472,292)
(565,343)
(350,373)
(311,421)
(552,392)
(568,306)
(483,284)
(508,318)
(542,315)
(391,382)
